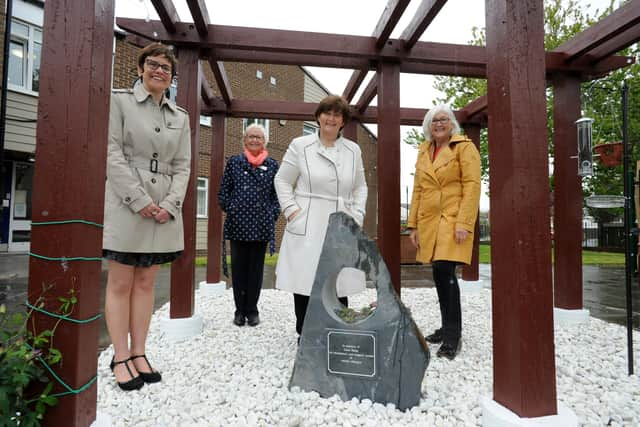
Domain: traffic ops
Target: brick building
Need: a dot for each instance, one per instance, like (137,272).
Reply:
(248,81)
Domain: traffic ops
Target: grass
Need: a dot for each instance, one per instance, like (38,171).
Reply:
(201,261)
(588,257)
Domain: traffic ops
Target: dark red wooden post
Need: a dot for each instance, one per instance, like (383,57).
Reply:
(471,272)
(183,269)
(214,227)
(523,351)
(350,131)
(73,117)
(567,195)
(389,168)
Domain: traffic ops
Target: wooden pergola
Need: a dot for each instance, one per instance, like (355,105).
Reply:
(72,137)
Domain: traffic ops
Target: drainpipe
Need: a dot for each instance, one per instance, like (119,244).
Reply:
(5,78)
(3,106)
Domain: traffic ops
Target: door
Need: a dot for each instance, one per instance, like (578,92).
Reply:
(20,217)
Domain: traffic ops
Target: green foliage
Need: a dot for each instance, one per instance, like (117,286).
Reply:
(588,257)
(350,315)
(601,98)
(25,389)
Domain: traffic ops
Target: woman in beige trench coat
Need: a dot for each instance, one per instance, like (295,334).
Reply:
(444,207)
(148,168)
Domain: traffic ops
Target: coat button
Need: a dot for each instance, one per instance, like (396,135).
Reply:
(153,180)
(157,129)
(155,155)
(127,199)
(177,202)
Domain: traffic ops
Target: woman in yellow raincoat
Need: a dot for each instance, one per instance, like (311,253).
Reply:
(444,208)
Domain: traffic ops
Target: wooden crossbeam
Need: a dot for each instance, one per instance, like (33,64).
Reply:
(368,94)
(353,84)
(345,51)
(388,20)
(297,110)
(425,14)
(615,44)
(206,91)
(200,16)
(475,107)
(221,80)
(167,13)
(623,19)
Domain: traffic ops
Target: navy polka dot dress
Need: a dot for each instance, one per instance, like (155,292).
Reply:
(249,199)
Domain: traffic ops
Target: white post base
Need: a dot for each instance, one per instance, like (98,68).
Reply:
(212,289)
(102,420)
(569,317)
(181,329)
(470,287)
(496,415)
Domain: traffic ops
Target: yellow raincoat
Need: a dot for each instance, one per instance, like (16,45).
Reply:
(446,194)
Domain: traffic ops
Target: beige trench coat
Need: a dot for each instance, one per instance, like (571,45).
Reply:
(318,183)
(148,160)
(446,194)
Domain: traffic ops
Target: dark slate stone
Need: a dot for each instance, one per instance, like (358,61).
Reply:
(382,357)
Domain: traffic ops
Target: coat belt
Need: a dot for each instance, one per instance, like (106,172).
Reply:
(343,205)
(152,165)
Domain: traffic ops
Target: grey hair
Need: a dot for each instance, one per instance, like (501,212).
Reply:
(441,108)
(260,128)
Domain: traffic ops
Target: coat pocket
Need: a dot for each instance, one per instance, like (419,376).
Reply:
(298,225)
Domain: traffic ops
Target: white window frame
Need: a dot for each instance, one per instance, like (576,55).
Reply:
(263,122)
(27,62)
(202,185)
(205,120)
(309,129)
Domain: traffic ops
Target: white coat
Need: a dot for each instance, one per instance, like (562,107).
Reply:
(310,178)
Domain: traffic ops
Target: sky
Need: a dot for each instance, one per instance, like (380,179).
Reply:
(354,17)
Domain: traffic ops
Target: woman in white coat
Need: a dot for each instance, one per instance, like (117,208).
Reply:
(320,174)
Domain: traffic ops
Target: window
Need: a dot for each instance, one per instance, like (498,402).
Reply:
(205,120)
(24,56)
(202,197)
(308,129)
(263,122)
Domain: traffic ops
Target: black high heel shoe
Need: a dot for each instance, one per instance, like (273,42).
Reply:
(148,377)
(135,383)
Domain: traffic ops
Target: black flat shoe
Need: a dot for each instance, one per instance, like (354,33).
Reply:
(253,319)
(148,377)
(135,383)
(449,351)
(238,320)
(435,337)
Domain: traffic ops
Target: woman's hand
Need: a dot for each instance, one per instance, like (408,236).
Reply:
(149,211)
(460,235)
(162,216)
(293,215)
(415,238)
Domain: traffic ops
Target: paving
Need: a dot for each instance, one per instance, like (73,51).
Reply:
(604,293)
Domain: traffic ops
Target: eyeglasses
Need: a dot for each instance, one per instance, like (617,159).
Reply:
(259,137)
(442,120)
(153,65)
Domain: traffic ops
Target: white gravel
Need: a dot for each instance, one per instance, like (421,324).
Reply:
(230,376)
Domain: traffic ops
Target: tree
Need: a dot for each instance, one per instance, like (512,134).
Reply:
(601,98)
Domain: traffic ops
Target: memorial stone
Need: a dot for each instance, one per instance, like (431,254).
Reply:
(381,357)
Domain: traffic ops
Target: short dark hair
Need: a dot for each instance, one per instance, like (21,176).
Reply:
(158,49)
(336,104)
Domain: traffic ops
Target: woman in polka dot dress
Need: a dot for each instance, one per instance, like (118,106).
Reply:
(248,198)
